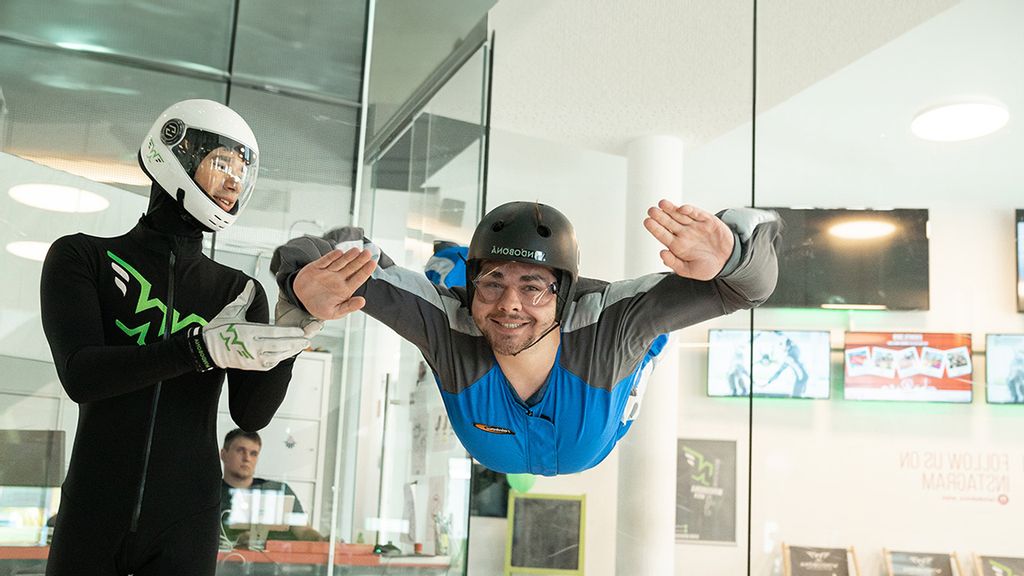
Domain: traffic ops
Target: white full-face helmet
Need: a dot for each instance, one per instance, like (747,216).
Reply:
(206,157)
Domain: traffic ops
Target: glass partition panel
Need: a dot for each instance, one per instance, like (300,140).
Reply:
(194,35)
(411,43)
(713,430)
(85,116)
(425,188)
(313,46)
(78,95)
(37,419)
(907,454)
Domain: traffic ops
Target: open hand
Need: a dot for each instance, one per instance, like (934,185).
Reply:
(325,286)
(697,243)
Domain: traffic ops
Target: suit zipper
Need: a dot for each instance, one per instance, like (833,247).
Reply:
(168,319)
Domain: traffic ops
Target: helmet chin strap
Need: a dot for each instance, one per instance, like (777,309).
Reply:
(556,324)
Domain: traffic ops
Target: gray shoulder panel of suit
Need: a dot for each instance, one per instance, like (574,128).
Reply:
(587,309)
(417,285)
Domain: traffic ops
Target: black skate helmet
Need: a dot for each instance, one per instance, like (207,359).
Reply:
(531,233)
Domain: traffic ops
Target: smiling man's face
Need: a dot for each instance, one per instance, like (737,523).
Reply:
(513,304)
(220,175)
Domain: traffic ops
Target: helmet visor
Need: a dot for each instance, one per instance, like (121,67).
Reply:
(222,168)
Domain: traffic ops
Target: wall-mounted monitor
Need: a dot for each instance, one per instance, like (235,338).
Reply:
(915,367)
(1004,368)
(1020,260)
(853,259)
(777,363)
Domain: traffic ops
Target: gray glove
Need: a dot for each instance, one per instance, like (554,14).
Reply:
(233,342)
(288,314)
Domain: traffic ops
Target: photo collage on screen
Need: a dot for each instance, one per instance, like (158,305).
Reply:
(919,367)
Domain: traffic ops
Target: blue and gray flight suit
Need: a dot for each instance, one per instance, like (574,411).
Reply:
(609,337)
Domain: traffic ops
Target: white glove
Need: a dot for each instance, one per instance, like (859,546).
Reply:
(234,342)
(288,314)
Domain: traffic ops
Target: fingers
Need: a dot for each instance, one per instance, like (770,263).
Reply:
(337,259)
(353,304)
(668,222)
(353,258)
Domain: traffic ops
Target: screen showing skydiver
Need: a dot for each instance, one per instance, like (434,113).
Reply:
(1004,369)
(777,363)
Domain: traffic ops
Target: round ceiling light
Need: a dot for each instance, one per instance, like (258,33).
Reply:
(29,249)
(962,121)
(58,198)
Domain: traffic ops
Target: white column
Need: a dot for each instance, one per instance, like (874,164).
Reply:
(645,542)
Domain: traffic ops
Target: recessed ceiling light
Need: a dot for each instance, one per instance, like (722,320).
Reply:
(58,198)
(862,229)
(29,249)
(962,121)
(96,170)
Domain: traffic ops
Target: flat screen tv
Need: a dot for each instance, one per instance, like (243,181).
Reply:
(915,367)
(1004,368)
(1020,260)
(853,259)
(779,363)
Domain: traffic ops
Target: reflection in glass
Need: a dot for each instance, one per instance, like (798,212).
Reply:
(426,187)
(313,46)
(85,116)
(176,31)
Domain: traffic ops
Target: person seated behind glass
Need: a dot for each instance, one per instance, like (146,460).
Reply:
(240,453)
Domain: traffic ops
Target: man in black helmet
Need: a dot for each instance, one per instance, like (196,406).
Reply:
(144,329)
(540,370)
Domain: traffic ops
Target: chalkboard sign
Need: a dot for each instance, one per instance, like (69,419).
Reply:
(1000,566)
(919,564)
(545,534)
(804,561)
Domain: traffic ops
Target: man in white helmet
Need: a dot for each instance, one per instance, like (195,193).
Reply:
(143,329)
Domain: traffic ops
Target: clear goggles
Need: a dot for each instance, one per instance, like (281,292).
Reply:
(222,168)
(532,290)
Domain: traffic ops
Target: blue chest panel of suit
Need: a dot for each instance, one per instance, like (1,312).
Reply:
(573,427)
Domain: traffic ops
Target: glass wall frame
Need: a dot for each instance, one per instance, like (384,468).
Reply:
(916,467)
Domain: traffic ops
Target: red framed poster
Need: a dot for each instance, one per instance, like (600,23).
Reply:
(902,366)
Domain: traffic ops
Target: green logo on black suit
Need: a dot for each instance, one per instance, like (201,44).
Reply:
(138,329)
